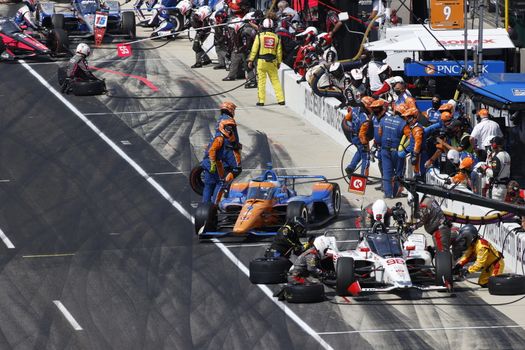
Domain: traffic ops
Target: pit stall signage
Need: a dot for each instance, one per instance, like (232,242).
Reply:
(447,14)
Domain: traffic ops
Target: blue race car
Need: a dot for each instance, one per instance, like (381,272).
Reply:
(259,207)
(89,18)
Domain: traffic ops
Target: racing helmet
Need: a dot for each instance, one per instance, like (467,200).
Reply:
(321,244)
(400,109)
(221,17)
(384,72)
(324,40)
(228,107)
(379,210)
(446,107)
(298,224)
(337,70)
(203,12)
(411,114)
(467,235)
(496,141)
(467,163)
(356,74)
(410,102)
(267,23)
(309,33)
(330,55)
(453,156)
(226,127)
(366,101)
(31,4)
(83,49)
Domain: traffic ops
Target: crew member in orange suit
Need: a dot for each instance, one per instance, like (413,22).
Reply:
(416,132)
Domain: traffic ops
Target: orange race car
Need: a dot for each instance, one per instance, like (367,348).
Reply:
(259,207)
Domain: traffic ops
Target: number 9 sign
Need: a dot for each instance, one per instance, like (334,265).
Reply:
(447,14)
(124,50)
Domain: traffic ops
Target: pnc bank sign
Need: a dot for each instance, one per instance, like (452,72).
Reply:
(448,68)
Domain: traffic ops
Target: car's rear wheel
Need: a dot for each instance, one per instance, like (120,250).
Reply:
(196,179)
(297,208)
(58,41)
(127,25)
(304,293)
(443,266)
(336,198)
(269,270)
(57,20)
(178,22)
(345,275)
(206,218)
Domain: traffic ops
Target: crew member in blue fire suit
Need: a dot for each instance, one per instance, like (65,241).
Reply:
(391,132)
(379,111)
(215,156)
(231,163)
(24,16)
(362,132)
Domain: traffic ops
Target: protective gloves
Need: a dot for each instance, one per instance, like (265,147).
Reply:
(213,168)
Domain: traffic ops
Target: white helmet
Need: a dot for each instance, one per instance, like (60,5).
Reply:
(83,49)
(379,209)
(453,103)
(321,244)
(267,23)
(203,12)
(453,156)
(309,30)
(356,74)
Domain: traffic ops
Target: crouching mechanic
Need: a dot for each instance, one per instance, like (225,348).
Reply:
(214,158)
(485,257)
(77,69)
(286,242)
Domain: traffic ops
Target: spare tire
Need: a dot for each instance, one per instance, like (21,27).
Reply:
(507,284)
(304,293)
(297,208)
(58,20)
(88,88)
(269,270)
(196,180)
(58,41)
(127,24)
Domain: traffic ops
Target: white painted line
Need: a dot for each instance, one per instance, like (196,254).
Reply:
(67,315)
(240,245)
(110,143)
(254,169)
(6,240)
(420,329)
(269,294)
(177,206)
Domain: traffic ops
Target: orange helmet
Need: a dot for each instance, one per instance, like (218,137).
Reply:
(228,107)
(367,101)
(446,116)
(410,112)
(400,109)
(466,163)
(378,103)
(483,113)
(226,127)
(446,107)
(410,102)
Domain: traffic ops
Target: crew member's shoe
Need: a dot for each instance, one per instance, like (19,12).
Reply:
(205,63)
(219,67)
(197,65)
(250,85)
(282,103)
(228,79)
(349,170)
(259,104)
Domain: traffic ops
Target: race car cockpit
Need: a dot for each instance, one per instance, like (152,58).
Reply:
(384,244)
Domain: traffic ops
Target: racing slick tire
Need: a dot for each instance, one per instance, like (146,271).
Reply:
(206,218)
(196,181)
(336,198)
(304,293)
(2,45)
(178,22)
(297,208)
(443,264)
(88,88)
(58,41)
(269,270)
(345,275)
(128,25)
(57,21)
(507,284)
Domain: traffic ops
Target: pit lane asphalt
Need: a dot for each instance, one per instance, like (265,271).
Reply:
(139,278)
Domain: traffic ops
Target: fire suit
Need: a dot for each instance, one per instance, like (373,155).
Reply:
(77,69)
(306,268)
(361,136)
(267,48)
(231,159)
(24,16)
(416,147)
(391,132)
(213,164)
(486,258)
(201,58)
(242,41)
(221,40)
(285,243)
(433,219)
(498,174)
(376,151)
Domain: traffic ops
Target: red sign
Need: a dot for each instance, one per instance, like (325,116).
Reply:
(269,43)
(357,184)
(101,21)
(124,50)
